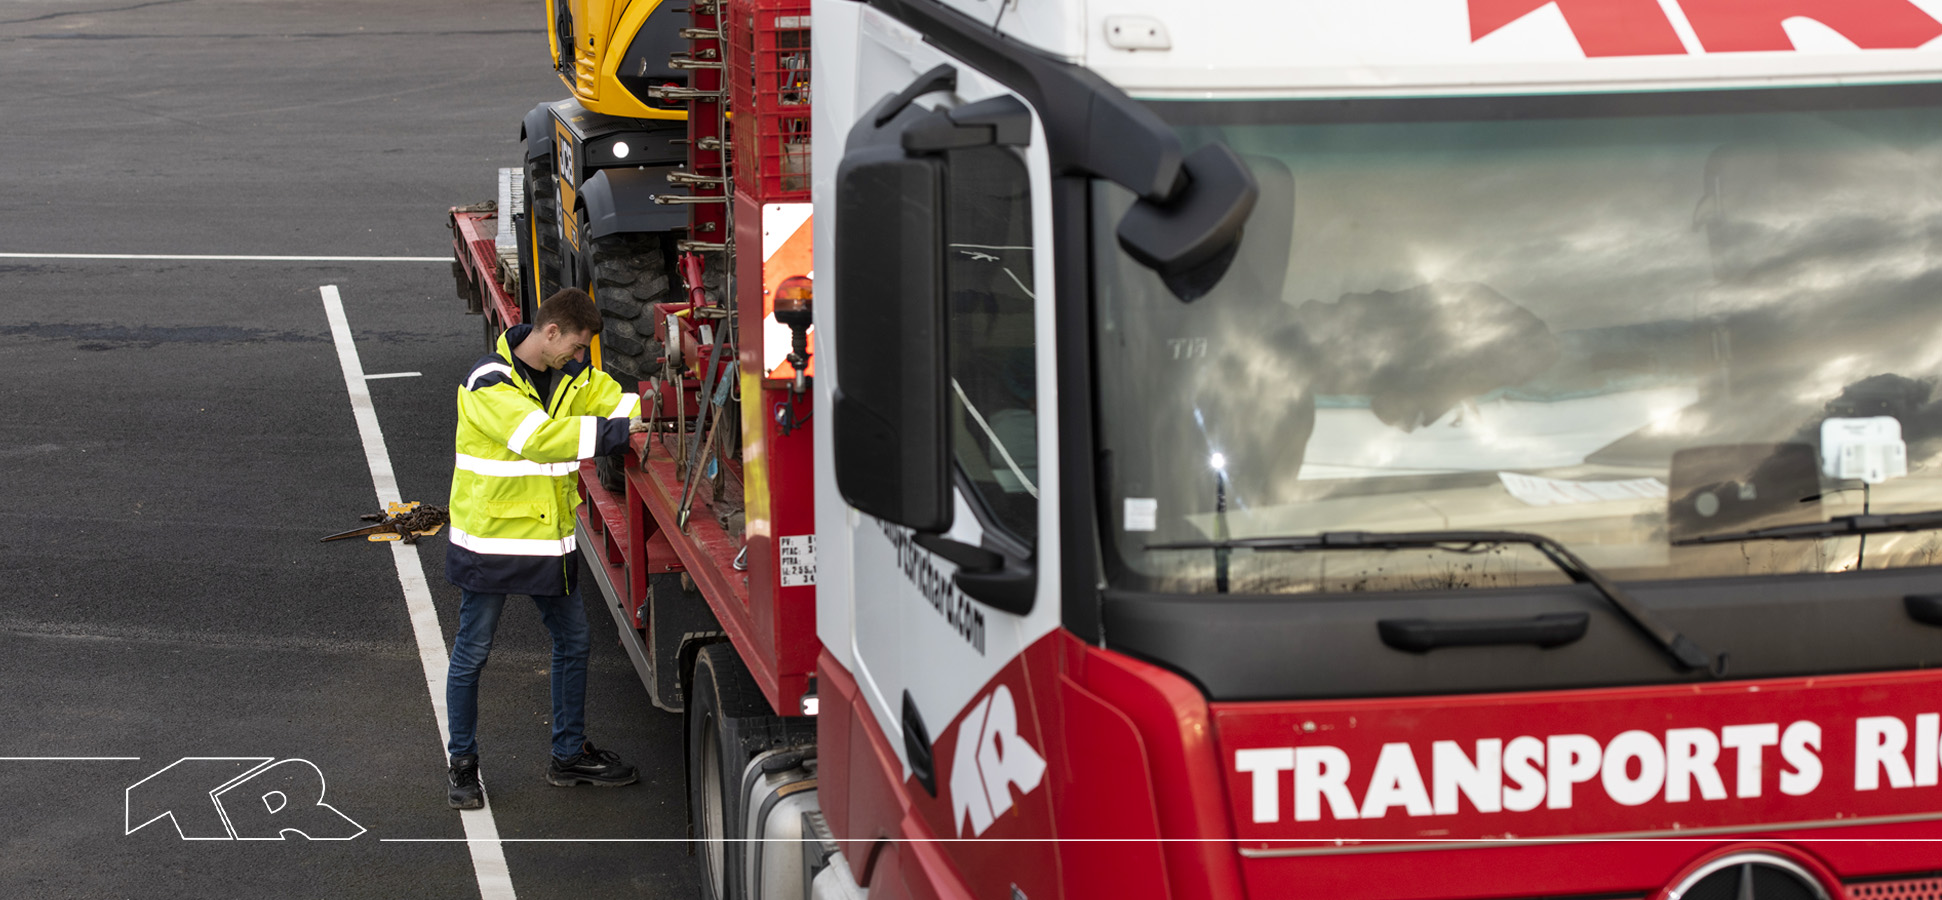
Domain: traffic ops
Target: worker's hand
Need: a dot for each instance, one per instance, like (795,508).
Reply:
(635,425)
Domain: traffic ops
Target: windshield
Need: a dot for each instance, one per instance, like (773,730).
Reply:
(1623,322)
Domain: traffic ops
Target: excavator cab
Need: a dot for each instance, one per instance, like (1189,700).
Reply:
(614,54)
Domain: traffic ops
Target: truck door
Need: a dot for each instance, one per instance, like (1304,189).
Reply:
(942,669)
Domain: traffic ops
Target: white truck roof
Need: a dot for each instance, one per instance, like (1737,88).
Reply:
(1344,48)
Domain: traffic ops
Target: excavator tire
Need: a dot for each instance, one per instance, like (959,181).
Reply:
(630,275)
(543,210)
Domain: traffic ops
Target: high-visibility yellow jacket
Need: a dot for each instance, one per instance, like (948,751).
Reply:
(515,481)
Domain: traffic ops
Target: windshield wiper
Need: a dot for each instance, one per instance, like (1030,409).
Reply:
(1839,526)
(1676,645)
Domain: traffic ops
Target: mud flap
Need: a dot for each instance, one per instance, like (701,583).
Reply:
(676,619)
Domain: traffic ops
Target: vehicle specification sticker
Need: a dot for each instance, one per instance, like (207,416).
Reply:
(798,562)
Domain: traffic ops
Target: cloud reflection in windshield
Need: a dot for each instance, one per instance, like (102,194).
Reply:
(1760,266)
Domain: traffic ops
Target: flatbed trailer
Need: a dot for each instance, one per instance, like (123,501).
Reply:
(637,538)
(478,267)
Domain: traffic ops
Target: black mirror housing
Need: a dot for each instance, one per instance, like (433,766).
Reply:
(888,416)
(1191,237)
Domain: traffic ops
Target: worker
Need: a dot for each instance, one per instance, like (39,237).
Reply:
(528,413)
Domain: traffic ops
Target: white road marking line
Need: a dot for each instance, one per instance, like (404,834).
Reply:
(217,257)
(69,758)
(481,831)
(393,375)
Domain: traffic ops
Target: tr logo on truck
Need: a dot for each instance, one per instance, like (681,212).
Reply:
(990,758)
(1643,28)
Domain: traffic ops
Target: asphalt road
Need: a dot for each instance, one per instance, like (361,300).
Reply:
(177,435)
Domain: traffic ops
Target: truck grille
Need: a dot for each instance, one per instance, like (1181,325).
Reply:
(1902,889)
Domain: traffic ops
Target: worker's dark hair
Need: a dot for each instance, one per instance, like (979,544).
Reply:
(572,309)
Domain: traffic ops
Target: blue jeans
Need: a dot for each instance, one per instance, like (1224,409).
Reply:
(566,618)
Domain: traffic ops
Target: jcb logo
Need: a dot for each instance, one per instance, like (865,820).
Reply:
(1643,27)
(990,758)
(238,799)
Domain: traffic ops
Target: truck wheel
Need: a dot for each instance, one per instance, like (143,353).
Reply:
(541,277)
(723,697)
(729,722)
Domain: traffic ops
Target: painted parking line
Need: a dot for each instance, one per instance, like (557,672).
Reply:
(481,831)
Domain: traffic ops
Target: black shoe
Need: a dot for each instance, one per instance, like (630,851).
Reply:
(602,768)
(466,792)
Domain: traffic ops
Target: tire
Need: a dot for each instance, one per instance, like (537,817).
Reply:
(729,722)
(542,275)
(629,274)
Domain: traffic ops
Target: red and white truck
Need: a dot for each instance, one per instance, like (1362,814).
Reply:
(1405,449)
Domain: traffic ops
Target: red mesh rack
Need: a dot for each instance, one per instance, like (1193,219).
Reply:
(768,95)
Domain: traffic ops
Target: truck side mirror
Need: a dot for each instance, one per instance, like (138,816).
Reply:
(1191,237)
(892,454)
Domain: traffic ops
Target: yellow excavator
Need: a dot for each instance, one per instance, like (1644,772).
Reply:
(584,34)
(607,184)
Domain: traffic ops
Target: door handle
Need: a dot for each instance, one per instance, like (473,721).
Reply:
(1924,608)
(1424,635)
(917,746)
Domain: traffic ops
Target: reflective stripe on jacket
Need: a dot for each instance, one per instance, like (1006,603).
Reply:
(515,478)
